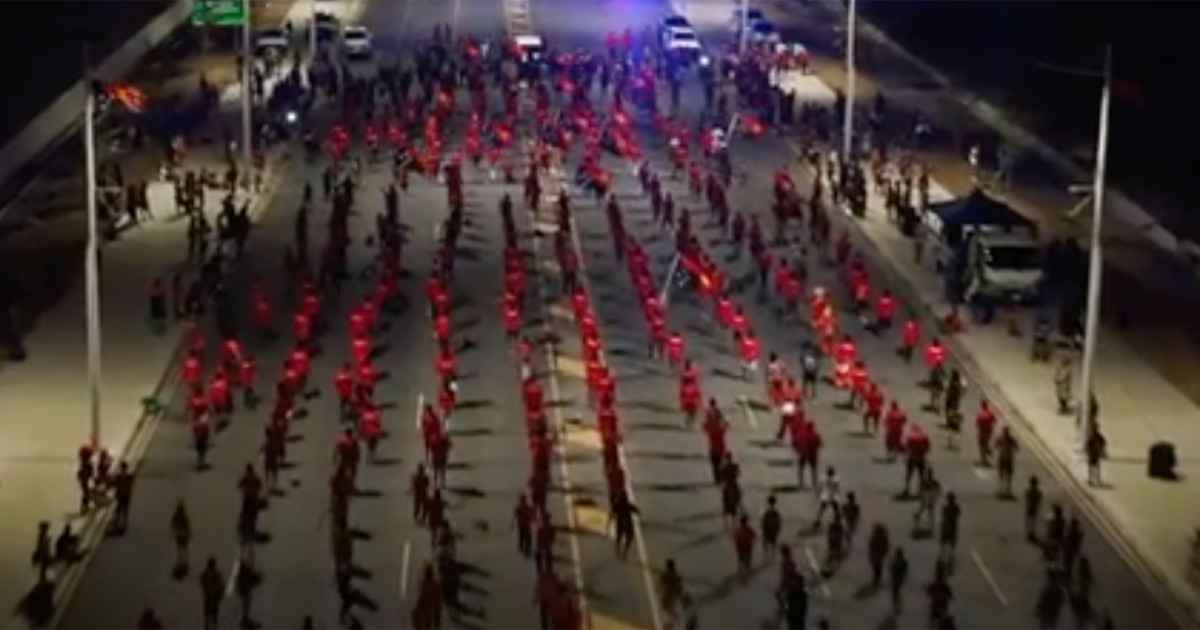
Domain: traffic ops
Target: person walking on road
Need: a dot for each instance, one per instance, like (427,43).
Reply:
(897,578)
(181,532)
(622,519)
(123,497)
(212,590)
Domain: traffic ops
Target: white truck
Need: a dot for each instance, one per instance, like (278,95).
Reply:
(1001,265)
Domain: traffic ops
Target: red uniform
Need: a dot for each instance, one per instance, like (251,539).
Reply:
(675,348)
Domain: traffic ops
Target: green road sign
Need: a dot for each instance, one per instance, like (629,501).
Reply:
(219,12)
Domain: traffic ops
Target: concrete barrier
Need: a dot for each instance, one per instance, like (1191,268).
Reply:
(60,119)
(1121,206)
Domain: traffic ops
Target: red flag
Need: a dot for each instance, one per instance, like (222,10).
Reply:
(129,96)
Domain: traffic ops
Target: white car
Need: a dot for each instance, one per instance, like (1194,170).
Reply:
(530,47)
(753,16)
(673,23)
(681,41)
(356,41)
(764,33)
(270,41)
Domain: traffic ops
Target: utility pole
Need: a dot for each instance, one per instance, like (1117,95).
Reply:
(851,83)
(1084,420)
(91,264)
(247,97)
(744,30)
(1084,417)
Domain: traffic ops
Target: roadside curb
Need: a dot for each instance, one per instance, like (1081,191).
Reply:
(1127,208)
(1173,596)
(96,523)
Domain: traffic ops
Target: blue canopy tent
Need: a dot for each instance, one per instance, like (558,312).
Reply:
(977,208)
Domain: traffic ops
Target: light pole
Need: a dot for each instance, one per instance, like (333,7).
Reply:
(743,31)
(247,96)
(1084,420)
(1095,260)
(851,83)
(91,264)
(312,34)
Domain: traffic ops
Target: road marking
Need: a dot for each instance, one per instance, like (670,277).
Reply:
(420,408)
(597,621)
(556,414)
(585,438)
(1168,590)
(231,581)
(405,559)
(95,526)
(457,15)
(981,472)
(546,228)
(549,266)
(591,519)
(639,536)
(818,572)
(517,17)
(748,411)
(987,577)
(570,367)
(560,311)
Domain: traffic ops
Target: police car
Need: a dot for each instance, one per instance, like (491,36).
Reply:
(681,41)
(672,24)
(529,47)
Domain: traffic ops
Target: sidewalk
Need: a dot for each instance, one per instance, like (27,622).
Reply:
(55,242)
(1140,404)
(47,399)
(1138,272)
(1145,372)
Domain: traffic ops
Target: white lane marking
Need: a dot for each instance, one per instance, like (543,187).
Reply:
(981,472)
(748,411)
(420,407)
(818,572)
(560,448)
(639,538)
(987,577)
(405,559)
(231,581)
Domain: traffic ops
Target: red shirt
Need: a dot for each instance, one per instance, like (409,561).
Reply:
(248,372)
(190,372)
(749,348)
(367,375)
(675,347)
(715,430)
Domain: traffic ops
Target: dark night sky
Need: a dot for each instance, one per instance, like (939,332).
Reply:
(993,47)
(42,42)
(992,44)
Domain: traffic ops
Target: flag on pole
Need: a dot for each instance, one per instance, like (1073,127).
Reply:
(128,95)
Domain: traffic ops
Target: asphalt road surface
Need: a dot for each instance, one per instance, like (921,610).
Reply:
(997,574)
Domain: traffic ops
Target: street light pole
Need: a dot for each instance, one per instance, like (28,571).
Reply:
(247,98)
(743,33)
(851,83)
(92,264)
(1083,407)
(312,33)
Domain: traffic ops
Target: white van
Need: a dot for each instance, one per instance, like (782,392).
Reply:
(1003,265)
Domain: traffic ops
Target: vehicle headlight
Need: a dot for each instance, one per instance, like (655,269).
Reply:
(704,60)
(291,117)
